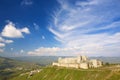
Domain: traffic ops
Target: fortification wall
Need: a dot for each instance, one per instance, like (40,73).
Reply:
(78,62)
(84,65)
(67,60)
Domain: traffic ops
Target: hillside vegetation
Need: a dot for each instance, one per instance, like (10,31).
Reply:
(58,73)
(10,68)
(10,63)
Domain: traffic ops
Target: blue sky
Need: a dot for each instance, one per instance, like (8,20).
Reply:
(59,27)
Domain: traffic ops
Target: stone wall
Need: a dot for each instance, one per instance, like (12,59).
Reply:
(78,62)
(94,63)
(67,60)
(84,65)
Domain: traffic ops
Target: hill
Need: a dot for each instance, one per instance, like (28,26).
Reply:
(10,68)
(58,73)
(11,63)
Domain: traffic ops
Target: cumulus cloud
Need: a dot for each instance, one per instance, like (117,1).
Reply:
(25,30)
(3,43)
(5,40)
(11,31)
(88,25)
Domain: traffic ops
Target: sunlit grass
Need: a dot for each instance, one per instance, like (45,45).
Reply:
(55,73)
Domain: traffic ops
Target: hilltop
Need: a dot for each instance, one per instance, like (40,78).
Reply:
(60,73)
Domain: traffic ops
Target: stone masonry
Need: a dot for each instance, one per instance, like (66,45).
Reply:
(78,62)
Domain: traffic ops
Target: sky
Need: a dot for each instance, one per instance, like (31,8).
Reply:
(59,28)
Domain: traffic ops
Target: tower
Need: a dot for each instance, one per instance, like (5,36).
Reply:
(79,59)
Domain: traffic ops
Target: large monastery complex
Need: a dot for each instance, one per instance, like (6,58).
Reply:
(78,62)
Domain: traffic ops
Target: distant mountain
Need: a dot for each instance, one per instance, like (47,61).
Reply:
(47,60)
(112,60)
(11,63)
(41,60)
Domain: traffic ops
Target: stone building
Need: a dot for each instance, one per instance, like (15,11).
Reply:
(78,62)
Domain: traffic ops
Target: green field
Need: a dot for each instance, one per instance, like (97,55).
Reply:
(58,73)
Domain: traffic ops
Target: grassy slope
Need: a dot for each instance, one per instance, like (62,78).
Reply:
(10,68)
(53,73)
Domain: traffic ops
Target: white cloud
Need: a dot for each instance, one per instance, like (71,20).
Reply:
(5,40)
(8,41)
(11,31)
(85,27)
(87,3)
(53,51)
(1,39)
(25,30)
(88,25)
(43,51)
(99,44)
(2,44)
(27,2)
